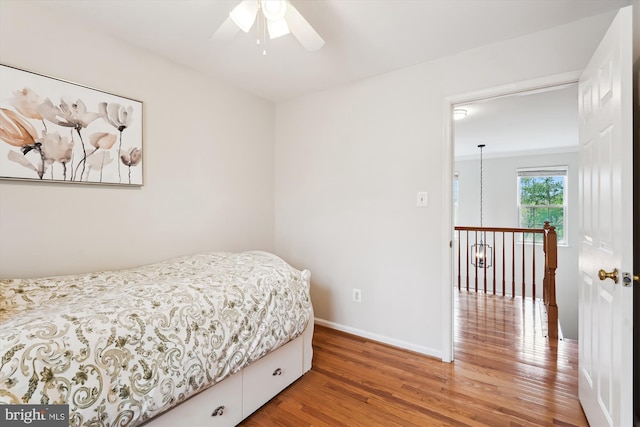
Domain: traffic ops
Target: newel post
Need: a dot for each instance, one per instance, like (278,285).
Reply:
(551,264)
(545,281)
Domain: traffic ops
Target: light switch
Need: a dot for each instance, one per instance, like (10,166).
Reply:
(421,199)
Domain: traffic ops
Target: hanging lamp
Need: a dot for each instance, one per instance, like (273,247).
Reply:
(482,252)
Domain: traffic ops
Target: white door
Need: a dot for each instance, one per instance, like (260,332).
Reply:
(606,308)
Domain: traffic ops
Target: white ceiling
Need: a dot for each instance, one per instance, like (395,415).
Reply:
(527,123)
(363,37)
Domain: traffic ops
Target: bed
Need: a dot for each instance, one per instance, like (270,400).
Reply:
(198,340)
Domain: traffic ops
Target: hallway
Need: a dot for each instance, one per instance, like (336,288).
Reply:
(505,338)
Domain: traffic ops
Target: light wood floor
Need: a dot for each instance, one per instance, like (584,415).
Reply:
(505,374)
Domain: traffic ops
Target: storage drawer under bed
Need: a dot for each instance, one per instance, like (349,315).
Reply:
(235,398)
(268,376)
(219,406)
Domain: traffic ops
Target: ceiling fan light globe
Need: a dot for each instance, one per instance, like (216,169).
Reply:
(274,10)
(277,28)
(244,14)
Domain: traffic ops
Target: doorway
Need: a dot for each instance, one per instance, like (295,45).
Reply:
(529,175)
(478,101)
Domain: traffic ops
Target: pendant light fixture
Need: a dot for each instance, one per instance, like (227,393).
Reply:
(482,252)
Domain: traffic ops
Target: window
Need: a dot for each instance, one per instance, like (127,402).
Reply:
(542,196)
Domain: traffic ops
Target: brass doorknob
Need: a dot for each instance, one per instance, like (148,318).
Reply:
(613,275)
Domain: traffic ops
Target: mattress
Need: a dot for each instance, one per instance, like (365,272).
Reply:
(122,346)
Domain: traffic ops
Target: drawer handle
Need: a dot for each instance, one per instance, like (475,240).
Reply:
(219,411)
(277,372)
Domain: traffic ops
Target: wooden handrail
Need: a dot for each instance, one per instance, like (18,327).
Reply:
(501,229)
(490,275)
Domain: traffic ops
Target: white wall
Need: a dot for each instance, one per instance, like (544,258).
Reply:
(350,160)
(208,159)
(499,210)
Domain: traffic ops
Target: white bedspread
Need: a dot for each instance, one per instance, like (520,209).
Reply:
(122,346)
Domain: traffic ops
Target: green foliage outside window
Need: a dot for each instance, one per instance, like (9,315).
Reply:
(542,198)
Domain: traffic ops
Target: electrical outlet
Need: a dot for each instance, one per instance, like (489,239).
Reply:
(357,295)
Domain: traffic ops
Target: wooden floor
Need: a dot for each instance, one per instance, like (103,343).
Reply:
(505,374)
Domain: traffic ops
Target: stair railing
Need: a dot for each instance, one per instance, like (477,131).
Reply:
(513,270)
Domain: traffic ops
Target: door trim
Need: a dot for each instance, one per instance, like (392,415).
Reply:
(448,158)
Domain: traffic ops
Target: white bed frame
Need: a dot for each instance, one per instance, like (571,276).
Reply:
(232,400)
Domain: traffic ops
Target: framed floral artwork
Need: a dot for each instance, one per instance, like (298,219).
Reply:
(52,130)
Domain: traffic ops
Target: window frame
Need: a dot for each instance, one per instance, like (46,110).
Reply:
(545,171)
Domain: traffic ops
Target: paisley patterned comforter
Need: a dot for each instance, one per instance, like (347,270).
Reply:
(122,346)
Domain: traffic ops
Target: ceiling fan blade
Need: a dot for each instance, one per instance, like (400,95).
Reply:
(227,30)
(244,14)
(303,31)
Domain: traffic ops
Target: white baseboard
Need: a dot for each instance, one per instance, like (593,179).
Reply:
(380,338)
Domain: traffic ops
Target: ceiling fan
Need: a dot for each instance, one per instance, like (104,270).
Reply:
(281,18)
